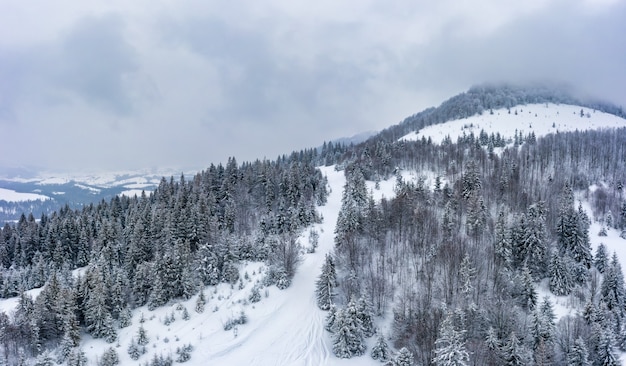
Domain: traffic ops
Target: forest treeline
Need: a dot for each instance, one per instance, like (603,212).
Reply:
(456,264)
(150,249)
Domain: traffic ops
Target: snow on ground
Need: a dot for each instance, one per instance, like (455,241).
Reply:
(612,241)
(386,188)
(54,180)
(140,185)
(7,306)
(284,328)
(98,180)
(134,192)
(541,119)
(567,305)
(10,195)
(92,189)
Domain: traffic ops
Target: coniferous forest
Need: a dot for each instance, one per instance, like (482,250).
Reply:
(148,250)
(451,267)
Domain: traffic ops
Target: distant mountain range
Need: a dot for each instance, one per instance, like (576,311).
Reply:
(28,192)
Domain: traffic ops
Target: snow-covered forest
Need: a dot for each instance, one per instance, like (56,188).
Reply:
(483,249)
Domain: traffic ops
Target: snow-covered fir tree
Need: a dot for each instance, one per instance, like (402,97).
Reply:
(560,277)
(578,355)
(514,353)
(348,332)
(601,260)
(326,283)
(404,358)
(200,302)
(381,351)
(450,345)
(366,316)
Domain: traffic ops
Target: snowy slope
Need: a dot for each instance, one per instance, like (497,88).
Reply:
(10,195)
(284,328)
(541,119)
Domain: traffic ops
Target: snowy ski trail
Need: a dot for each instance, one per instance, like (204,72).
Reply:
(292,330)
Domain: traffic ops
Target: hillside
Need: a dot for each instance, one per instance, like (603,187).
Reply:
(482,237)
(538,119)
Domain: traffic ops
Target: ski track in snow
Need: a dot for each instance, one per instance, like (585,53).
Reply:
(293,333)
(286,327)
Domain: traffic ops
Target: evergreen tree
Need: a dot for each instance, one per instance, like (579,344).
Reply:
(126,317)
(135,350)
(97,316)
(471,182)
(200,302)
(560,277)
(612,290)
(529,294)
(365,315)
(578,356)
(348,333)
(502,242)
(77,358)
(534,240)
(476,217)
(514,353)
(543,332)
(184,353)
(450,345)
(331,318)
(404,358)
(255,294)
(44,359)
(580,244)
(109,358)
(207,265)
(606,353)
(380,351)
(589,312)
(466,275)
(326,283)
(493,345)
(142,336)
(566,221)
(602,258)
(609,220)
(548,317)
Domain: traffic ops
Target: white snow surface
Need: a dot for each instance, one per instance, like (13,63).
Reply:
(92,189)
(134,192)
(104,179)
(541,119)
(10,195)
(284,328)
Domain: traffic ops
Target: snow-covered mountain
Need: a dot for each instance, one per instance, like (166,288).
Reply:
(250,322)
(540,119)
(48,192)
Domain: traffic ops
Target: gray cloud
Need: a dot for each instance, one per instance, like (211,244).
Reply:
(91,62)
(561,45)
(188,84)
(94,61)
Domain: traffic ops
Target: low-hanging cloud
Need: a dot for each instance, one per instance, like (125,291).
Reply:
(148,84)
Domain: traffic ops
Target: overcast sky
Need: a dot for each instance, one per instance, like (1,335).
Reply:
(111,85)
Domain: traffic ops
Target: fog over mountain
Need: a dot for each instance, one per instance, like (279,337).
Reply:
(89,86)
